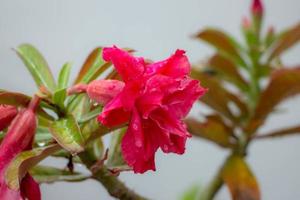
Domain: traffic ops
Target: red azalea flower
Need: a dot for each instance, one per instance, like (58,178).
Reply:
(18,138)
(155,99)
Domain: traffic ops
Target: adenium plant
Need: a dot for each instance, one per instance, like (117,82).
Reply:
(141,104)
(239,99)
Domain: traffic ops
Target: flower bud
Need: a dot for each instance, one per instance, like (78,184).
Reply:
(257,8)
(19,135)
(101,91)
(7,114)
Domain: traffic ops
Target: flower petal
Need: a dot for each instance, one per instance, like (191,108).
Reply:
(138,149)
(168,122)
(113,113)
(176,66)
(30,189)
(128,66)
(181,101)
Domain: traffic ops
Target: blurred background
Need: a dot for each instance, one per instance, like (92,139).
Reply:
(68,30)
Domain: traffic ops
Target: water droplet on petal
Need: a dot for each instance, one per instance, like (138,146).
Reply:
(138,143)
(165,147)
(135,127)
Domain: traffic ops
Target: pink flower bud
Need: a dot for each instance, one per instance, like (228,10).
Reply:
(102,91)
(257,8)
(7,114)
(246,23)
(18,138)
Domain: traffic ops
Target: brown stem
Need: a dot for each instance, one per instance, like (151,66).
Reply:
(113,185)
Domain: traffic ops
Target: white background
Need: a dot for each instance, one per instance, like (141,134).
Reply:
(67,30)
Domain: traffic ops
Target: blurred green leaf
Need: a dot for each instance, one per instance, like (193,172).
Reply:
(285,41)
(59,97)
(93,67)
(240,180)
(95,148)
(64,75)
(218,98)
(213,129)
(18,168)
(228,70)
(284,83)
(79,105)
(191,193)
(223,43)
(45,174)
(68,134)
(115,157)
(37,66)
(43,136)
(92,114)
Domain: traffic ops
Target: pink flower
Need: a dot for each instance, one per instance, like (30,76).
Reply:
(18,138)
(155,99)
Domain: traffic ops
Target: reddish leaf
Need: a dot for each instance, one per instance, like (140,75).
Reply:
(240,180)
(223,43)
(93,66)
(284,83)
(280,133)
(218,98)
(14,98)
(287,40)
(213,129)
(228,70)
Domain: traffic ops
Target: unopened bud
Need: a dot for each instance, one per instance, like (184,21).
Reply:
(101,91)
(20,134)
(257,8)
(7,114)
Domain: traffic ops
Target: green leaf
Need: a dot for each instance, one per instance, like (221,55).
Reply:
(213,129)
(46,174)
(115,158)
(223,43)
(68,134)
(79,105)
(285,41)
(95,149)
(228,70)
(284,83)
(18,168)
(91,115)
(37,66)
(43,136)
(93,67)
(219,99)
(240,180)
(64,75)
(92,129)
(59,97)
(191,193)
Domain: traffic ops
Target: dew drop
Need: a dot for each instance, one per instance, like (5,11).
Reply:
(135,127)
(138,143)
